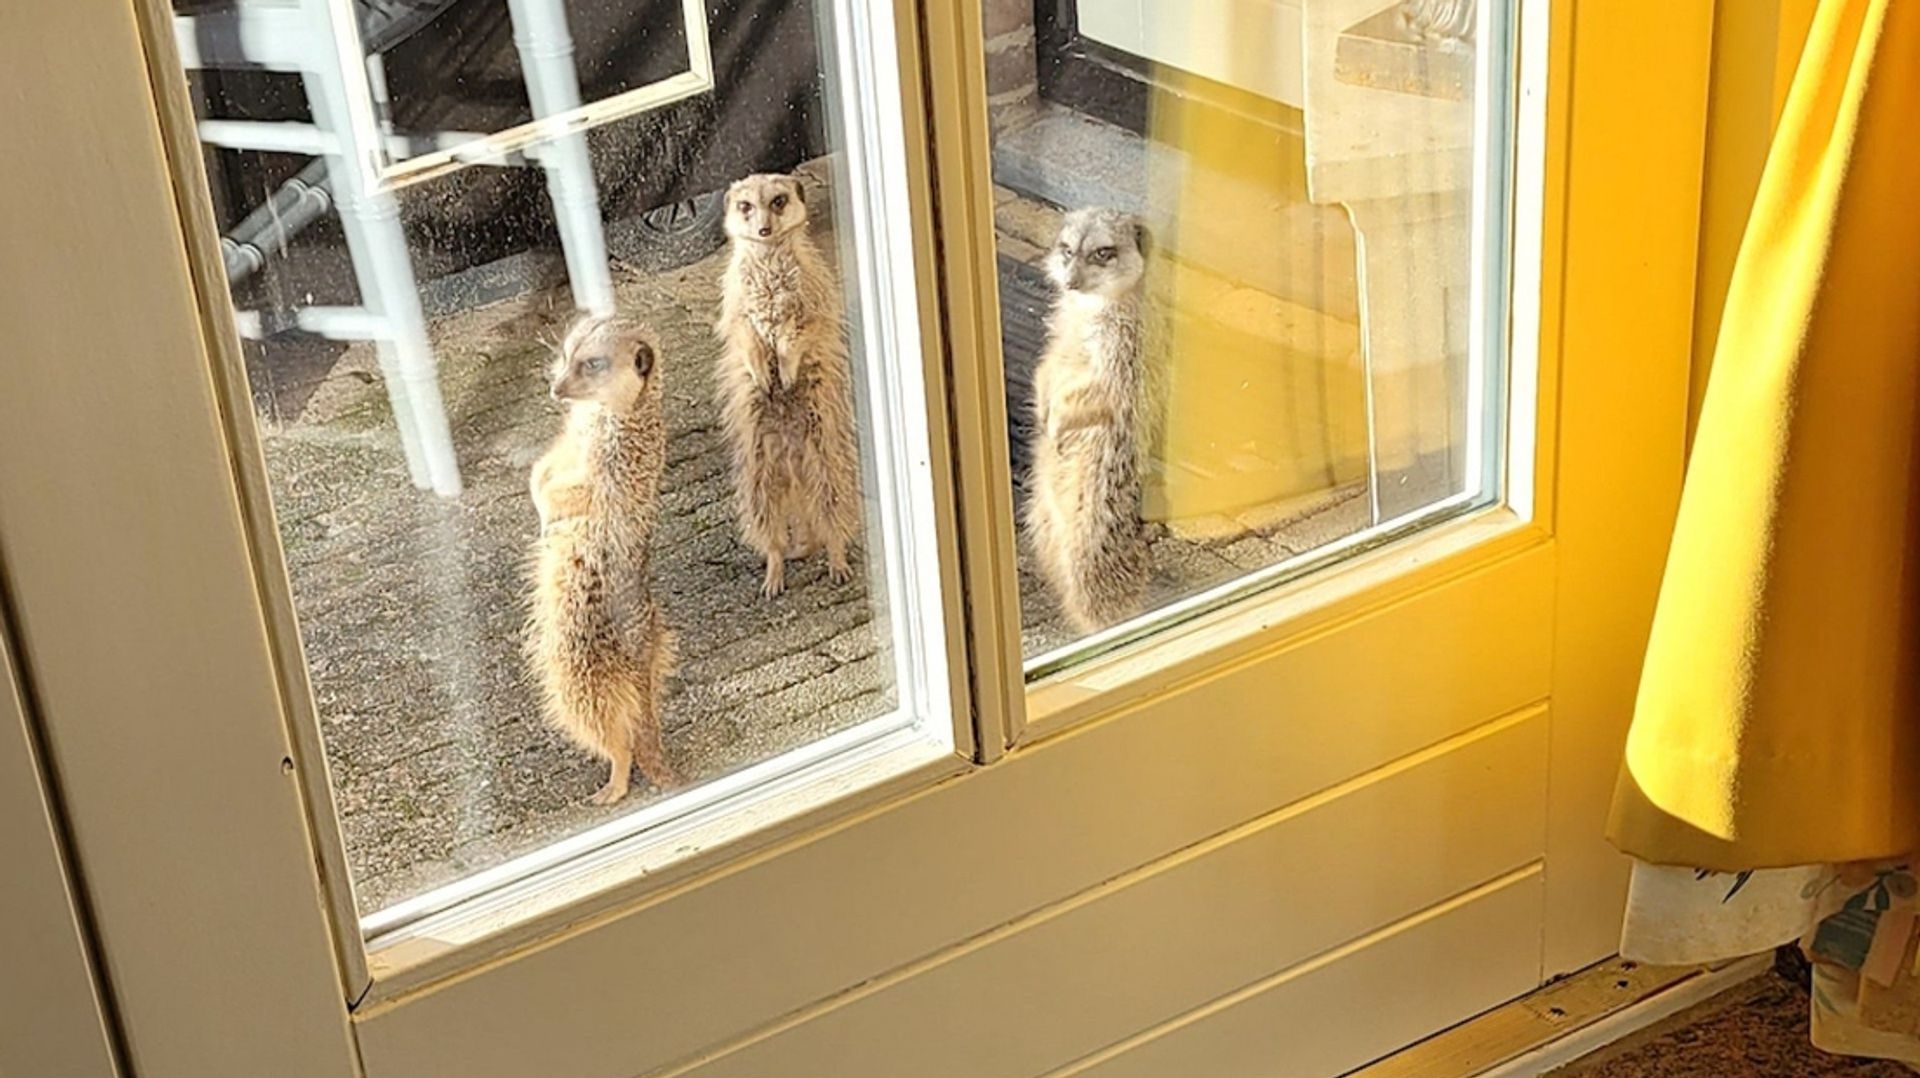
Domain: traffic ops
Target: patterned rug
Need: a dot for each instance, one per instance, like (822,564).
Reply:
(1758,1030)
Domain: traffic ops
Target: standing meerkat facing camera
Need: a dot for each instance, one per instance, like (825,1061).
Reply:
(786,392)
(1091,401)
(596,637)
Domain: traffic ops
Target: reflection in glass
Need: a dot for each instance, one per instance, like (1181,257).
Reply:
(1289,370)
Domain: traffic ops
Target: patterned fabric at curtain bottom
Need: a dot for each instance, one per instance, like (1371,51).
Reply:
(1856,922)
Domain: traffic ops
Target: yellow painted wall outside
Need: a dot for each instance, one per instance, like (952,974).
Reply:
(1264,391)
(1278,390)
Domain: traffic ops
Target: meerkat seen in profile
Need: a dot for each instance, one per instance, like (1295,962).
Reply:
(1092,399)
(597,639)
(785,384)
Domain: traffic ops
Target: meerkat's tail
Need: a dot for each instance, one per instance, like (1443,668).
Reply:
(1108,568)
(596,709)
(1108,589)
(649,750)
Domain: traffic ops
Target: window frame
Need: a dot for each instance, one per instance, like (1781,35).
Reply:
(645,853)
(947,149)
(1268,606)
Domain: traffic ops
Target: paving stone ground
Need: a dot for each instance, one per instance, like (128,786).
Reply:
(411,605)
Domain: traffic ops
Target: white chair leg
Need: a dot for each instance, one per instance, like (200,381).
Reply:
(384,271)
(384,350)
(553,86)
(388,288)
(576,212)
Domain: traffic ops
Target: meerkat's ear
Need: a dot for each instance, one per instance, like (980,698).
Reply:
(643,358)
(1142,238)
(799,191)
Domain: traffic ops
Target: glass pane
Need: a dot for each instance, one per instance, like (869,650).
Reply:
(1248,256)
(615,447)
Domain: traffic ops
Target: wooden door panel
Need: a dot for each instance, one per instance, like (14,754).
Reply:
(1168,937)
(53,1019)
(1332,1014)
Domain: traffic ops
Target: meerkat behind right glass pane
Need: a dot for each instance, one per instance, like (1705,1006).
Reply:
(1234,261)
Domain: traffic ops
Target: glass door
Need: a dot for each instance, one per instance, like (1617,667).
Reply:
(564,570)
(437,352)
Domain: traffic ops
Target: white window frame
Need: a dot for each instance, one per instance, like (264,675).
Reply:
(1503,356)
(895,399)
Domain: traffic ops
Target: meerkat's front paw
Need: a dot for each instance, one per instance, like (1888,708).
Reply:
(837,568)
(775,581)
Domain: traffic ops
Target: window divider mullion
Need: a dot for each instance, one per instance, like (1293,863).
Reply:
(953,58)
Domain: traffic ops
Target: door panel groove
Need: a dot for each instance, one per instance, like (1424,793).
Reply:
(1491,728)
(1249,1021)
(1392,843)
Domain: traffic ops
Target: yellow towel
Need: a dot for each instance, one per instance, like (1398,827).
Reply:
(1776,722)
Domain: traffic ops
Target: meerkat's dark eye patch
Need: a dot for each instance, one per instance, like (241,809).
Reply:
(1105,255)
(779,203)
(643,359)
(745,208)
(594,364)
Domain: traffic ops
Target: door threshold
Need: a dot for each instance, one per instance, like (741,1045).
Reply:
(1564,1021)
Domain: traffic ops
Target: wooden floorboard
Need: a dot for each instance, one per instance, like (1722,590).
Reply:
(1557,1011)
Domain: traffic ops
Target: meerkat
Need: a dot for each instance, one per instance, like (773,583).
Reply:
(597,639)
(785,384)
(1092,399)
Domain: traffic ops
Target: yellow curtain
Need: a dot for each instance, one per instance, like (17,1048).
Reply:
(1778,720)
